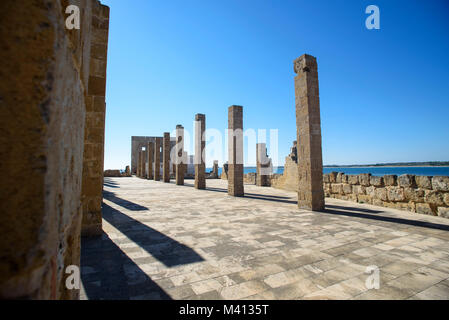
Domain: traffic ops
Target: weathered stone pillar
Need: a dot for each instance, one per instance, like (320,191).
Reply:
(166,157)
(157,159)
(263,165)
(200,144)
(139,164)
(179,154)
(144,163)
(215,169)
(235,151)
(93,162)
(310,163)
(150,156)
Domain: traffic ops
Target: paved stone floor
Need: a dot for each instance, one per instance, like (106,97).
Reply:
(163,241)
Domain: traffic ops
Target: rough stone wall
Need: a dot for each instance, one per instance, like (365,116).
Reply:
(44,75)
(93,163)
(420,194)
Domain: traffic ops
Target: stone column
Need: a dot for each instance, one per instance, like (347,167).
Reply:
(263,165)
(179,154)
(235,151)
(150,155)
(93,162)
(310,163)
(138,164)
(200,144)
(166,157)
(144,163)
(157,159)
(215,169)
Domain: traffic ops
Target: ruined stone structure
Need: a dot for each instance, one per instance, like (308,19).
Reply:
(179,155)
(143,163)
(157,159)
(166,157)
(310,162)
(150,156)
(200,145)
(263,165)
(137,142)
(289,179)
(235,151)
(52,101)
(214,173)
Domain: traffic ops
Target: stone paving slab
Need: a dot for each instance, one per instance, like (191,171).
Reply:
(163,241)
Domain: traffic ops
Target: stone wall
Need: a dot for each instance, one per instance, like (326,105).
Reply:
(421,194)
(44,76)
(93,162)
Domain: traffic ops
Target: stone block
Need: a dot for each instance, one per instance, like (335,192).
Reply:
(424,182)
(381,194)
(371,191)
(339,177)
(412,194)
(337,188)
(357,189)
(333,177)
(364,179)
(446,198)
(344,178)
(443,212)
(395,194)
(363,198)
(353,179)
(424,208)
(376,181)
(440,183)
(377,202)
(434,197)
(326,178)
(406,180)
(347,188)
(390,179)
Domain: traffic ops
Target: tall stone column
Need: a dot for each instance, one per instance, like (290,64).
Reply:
(139,158)
(94,129)
(166,157)
(179,155)
(310,162)
(235,151)
(157,159)
(263,165)
(200,144)
(150,155)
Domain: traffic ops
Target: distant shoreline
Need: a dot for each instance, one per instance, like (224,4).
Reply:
(387,166)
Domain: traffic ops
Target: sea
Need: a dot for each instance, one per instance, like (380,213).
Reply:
(375,171)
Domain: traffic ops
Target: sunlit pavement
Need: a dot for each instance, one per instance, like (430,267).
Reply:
(163,241)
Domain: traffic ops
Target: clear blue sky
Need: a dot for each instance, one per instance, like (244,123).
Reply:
(384,93)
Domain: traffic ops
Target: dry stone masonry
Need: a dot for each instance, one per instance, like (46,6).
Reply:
(420,194)
(310,163)
(235,151)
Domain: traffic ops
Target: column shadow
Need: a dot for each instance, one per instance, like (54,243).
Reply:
(167,250)
(103,274)
(122,202)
